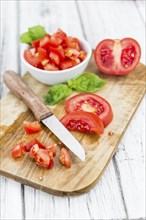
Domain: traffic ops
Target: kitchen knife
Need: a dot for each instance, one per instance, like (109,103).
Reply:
(19,88)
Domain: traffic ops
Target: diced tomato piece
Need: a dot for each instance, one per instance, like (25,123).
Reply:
(73,42)
(55,41)
(43,158)
(52,148)
(29,145)
(58,50)
(82,55)
(44,42)
(43,54)
(45,62)
(33,151)
(50,67)
(34,61)
(65,158)
(31,127)
(18,150)
(54,58)
(61,34)
(36,43)
(66,64)
(51,164)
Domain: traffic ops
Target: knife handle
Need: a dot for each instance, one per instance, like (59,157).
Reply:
(19,88)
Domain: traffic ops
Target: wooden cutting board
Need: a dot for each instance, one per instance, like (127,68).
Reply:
(124,94)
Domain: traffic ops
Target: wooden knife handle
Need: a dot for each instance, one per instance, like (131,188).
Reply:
(18,87)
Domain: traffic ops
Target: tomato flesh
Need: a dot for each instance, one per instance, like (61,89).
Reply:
(117,57)
(18,151)
(90,103)
(83,121)
(65,158)
(34,61)
(52,148)
(31,127)
(29,145)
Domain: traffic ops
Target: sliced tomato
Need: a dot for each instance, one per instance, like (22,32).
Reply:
(66,64)
(54,58)
(58,50)
(73,42)
(83,121)
(44,42)
(31,127)
(117,57)
(65,158)
(18,150)
(52,149)
(29,145)
(43,158)
(51,67)
(33,151)
(90,103)
(42,53)
(36,43)
(34,61)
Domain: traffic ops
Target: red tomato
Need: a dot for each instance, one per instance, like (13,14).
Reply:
(50,67)
(90,103)
(36,43)
(52,148)
(43,54)
(54,58)
(83,121)
(43,158)
(44,42)
(73,42)
(117,57)
(34,61)
(65,158)
(58,50)
(66,64)
(31,127)
(61,34)
(51,164)
(55,41)
(29,145)
(33,151)
(18,150)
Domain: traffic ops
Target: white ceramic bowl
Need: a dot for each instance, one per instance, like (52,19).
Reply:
(59,76)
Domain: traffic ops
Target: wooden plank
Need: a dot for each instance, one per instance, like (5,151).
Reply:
(11,193)
(109,17)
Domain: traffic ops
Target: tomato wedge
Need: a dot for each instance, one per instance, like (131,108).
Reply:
(31,127)
(90,103)
(117,57)
(29,145)
(83,121)
(65,158)
(18,150)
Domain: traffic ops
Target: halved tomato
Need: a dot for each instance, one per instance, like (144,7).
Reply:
(117,57)
(31,127)
(34,61)
(83,121)
(65,158)
(29,145)
(90,103)
(18,150)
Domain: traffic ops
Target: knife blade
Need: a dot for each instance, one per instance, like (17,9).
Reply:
(19,88)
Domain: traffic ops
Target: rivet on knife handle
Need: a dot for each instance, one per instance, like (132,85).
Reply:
(19,88)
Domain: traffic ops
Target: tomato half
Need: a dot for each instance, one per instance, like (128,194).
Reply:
(117,57)
(65,158)
(90,103)
(29,145)
(31,127)
(83,121)
(18,150)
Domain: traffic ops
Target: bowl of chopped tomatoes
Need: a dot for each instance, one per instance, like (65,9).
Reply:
(56,58)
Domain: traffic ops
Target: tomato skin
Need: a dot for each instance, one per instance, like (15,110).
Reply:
(83,121)
(90,103)
(65,158)
(29,145)
(34,61)
(36,43)
(117,57)
(18,151)
(31,127)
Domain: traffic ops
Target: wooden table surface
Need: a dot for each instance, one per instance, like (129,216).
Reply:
(120,192)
